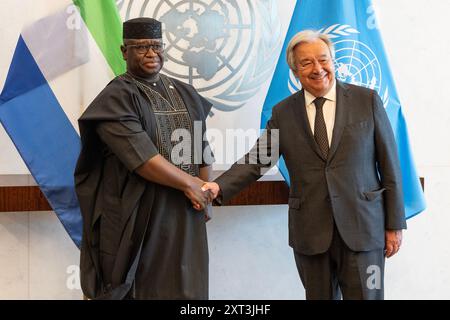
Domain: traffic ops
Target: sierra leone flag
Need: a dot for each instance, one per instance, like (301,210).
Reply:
(41,102)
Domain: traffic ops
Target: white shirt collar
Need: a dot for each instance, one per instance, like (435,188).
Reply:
(330,95)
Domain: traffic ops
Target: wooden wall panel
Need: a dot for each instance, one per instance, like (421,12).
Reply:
(30,198)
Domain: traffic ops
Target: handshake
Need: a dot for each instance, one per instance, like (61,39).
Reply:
(201,193)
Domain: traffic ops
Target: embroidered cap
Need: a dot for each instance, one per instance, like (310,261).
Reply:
(142,28)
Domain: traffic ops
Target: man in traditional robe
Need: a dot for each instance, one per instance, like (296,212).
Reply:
(142,237)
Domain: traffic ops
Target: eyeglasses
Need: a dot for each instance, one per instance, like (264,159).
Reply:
(307,64)
(144,48)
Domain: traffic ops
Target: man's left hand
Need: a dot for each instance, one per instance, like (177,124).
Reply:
(393,240)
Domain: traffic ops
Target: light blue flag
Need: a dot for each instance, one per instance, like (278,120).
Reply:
(361,60)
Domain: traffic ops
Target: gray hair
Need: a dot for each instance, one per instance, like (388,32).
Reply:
(306,36)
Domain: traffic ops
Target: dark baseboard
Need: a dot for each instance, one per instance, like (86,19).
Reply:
(30,198)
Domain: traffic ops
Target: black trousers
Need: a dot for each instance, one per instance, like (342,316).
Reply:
(342,272)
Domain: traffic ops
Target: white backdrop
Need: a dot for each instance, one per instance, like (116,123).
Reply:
(19,14)
(256,237)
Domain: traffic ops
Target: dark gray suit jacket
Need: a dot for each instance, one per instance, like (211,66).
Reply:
(358,186)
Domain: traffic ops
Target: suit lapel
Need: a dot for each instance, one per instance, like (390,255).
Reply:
(299,108)
(340,118)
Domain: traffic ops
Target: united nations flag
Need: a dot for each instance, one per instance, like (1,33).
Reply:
(361,60)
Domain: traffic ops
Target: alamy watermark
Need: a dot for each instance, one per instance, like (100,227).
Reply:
(191,148)
(73,278)
(374,279)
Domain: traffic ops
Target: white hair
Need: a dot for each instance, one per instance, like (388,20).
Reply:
(302,37)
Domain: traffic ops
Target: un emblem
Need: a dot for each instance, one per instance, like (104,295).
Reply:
(355,62)
(225,49)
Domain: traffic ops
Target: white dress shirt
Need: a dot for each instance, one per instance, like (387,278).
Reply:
(329,110)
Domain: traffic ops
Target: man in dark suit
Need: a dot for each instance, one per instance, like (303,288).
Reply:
(346,211)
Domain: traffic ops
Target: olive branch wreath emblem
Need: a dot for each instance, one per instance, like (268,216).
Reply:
(335,31)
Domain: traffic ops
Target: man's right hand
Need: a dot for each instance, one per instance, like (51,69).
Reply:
(197,195)
(157,169)
(212,187)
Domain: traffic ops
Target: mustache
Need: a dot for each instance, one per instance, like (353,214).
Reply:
(319,74)
(150,60)
(154,59)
